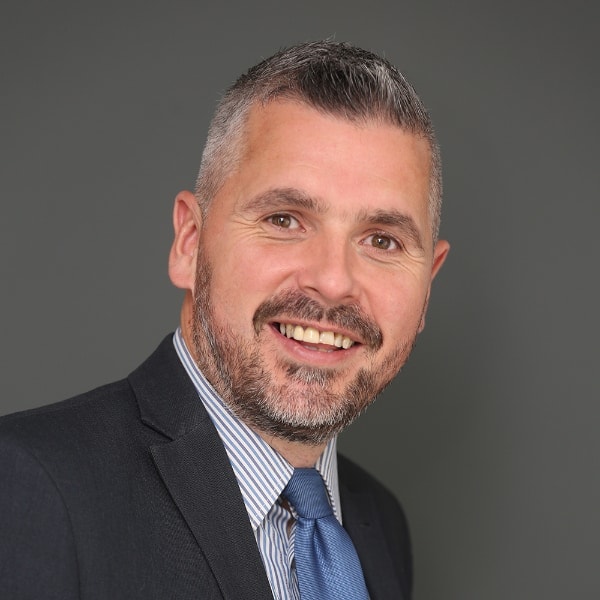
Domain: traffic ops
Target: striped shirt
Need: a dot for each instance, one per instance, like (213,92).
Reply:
(262,474)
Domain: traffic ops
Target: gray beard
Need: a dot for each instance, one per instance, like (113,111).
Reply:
(305,409)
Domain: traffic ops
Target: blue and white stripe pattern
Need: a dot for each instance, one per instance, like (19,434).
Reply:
(262,474)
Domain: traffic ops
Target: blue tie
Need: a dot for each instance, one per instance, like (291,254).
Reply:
(326,562)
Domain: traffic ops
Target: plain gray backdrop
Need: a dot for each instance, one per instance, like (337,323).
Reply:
(490,435)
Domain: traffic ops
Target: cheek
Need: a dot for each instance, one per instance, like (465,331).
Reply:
(256,268)
(241,281)
(398,310)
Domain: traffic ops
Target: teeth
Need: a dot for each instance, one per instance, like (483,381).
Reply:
(327,337)
(311,335)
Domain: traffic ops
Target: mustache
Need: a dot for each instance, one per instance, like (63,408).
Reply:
(294,304)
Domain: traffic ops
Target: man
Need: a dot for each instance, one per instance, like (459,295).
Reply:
(306,254)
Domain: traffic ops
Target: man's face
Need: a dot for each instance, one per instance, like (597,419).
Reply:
(313,272)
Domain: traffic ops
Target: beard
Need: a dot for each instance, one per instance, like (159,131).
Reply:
(305,408)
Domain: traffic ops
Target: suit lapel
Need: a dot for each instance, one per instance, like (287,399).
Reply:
(206,492)
(363,523)
(196,470)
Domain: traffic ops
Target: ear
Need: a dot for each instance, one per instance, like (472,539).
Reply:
(187,223)
(440,251)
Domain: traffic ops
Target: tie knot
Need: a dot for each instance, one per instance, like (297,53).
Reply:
(307,494)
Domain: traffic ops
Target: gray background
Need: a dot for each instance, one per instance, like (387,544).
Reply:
(490,435)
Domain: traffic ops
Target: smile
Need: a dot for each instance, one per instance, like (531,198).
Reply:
(310,335)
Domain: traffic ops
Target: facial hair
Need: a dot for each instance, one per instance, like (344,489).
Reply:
(305,408)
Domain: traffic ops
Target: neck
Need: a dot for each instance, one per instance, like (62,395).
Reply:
(299,455)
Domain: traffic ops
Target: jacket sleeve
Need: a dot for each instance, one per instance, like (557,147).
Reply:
(37,552)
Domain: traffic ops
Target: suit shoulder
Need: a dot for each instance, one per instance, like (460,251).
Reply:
(96,410)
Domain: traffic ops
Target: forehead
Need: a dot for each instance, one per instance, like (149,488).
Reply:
(347,166)
(266,123)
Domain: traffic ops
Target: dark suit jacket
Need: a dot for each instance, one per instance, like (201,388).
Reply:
(127,492)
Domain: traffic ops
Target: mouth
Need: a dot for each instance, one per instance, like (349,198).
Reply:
(315,339)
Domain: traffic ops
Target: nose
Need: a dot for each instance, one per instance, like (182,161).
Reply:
(328,271)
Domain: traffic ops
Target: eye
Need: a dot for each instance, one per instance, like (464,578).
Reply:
(283,221)
(381,241)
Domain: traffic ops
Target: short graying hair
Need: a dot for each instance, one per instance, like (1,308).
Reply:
(333,77)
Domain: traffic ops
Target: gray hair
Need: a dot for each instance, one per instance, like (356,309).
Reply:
(333,77)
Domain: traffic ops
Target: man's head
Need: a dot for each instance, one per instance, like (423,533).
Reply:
(309,248)
(335,78)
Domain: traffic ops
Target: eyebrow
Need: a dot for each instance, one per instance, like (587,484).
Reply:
(394,218)
(292,197)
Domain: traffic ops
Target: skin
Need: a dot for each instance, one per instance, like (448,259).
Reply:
(322,209)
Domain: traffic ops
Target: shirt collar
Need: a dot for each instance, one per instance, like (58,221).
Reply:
(261,472)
